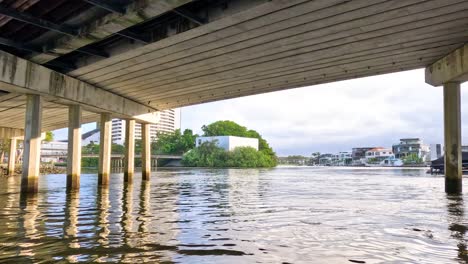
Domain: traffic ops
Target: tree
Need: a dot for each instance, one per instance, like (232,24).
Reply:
(174,143)
(49,136)
(230,128)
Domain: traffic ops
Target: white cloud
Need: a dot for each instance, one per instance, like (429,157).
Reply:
(371,111)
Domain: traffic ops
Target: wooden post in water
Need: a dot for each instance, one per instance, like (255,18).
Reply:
(452,138)
(32,144)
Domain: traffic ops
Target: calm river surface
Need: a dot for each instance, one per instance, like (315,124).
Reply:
(282,215)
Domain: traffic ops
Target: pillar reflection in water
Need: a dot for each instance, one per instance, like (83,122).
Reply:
(127,211)
(71,218)
(28,224)
(457,224)
(70,224)
(103,206)
(144,212)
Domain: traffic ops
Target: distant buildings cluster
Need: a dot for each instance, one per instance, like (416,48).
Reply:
(408,151)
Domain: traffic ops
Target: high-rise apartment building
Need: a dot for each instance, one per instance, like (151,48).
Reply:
(169,121)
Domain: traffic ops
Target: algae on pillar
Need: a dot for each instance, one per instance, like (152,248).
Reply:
(129,150)
(105,149)
(32,144)
(452,138)
(74,147)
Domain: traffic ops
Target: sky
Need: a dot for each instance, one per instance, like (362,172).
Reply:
(371,111)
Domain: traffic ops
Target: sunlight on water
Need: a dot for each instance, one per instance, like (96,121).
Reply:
(283,215)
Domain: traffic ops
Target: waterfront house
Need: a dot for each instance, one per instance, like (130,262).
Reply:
(411,147)
(358,155)
(379,156)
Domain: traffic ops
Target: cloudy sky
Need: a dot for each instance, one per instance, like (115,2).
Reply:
(372,111)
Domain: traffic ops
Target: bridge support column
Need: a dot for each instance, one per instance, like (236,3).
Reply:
(105,149)
(129,164)
(145,152)
(12,157)
(74,147)
(32,144)
(452,138)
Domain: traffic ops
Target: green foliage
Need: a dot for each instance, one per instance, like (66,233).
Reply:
(208,154)
(230,128)
(89,162)
(49,136)
(174,143)
(412,158)
(91,148)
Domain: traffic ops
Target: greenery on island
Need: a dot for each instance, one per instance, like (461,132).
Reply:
(230,128)
(209,154)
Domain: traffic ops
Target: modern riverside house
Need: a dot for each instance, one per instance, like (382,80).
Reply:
(411,147)
(381,157)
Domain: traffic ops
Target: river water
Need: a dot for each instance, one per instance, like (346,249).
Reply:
(282,215)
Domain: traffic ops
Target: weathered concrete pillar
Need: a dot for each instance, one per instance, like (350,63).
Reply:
(452,138)
(12,157)
(32,144)
(145,152)
(105,149)
(74,147)
(129,168)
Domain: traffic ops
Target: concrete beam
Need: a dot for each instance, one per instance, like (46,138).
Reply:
(145,152)
(452,138)
(105,149)
(7,132)
(32,144)
(451,68)
(129,168)
(12,156)
(22,76)
(74,147)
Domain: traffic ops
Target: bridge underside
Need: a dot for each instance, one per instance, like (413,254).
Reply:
(149,55)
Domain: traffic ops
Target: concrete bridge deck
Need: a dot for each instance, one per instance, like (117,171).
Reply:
(78,61)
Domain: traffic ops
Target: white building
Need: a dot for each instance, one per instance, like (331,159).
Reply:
(53,151)
(229,142)
(169,121)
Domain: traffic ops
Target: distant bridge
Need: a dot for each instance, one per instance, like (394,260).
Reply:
(115,156)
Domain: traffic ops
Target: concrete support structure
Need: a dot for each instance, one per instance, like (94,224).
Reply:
(452,138)
(129,168)
(12,156)
(74,147)
(32,144)
(145,152)
(105,149)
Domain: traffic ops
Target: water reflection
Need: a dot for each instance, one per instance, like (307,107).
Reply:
(458,224)
(295,215)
